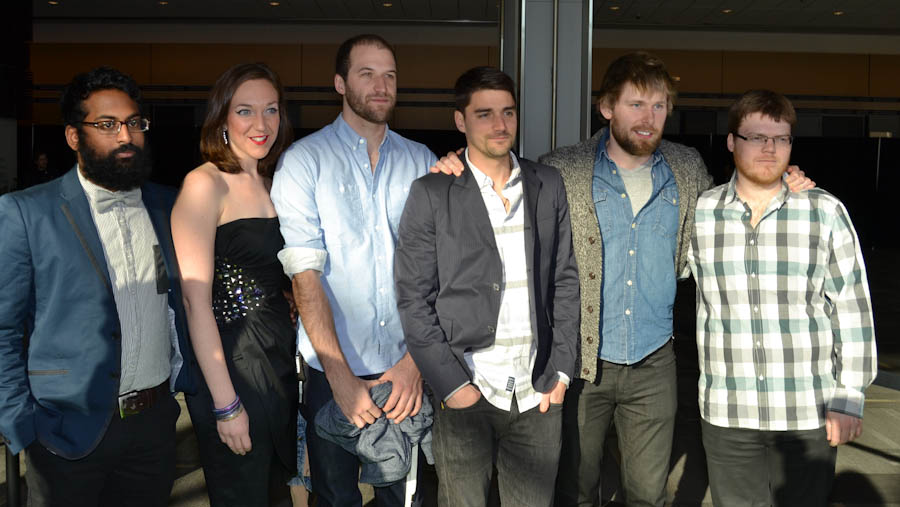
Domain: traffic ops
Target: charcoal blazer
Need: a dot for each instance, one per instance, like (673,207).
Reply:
(448,276)
(62,389)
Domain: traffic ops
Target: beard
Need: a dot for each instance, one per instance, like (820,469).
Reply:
(761,177)
(635,147)
(358,105)
(113,173)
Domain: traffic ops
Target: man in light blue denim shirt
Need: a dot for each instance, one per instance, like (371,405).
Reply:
(339,193)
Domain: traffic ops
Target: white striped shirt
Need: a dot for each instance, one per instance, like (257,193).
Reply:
(505,367)
(128,239)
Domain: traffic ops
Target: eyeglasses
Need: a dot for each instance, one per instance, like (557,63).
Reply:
(761,140)
(113,127)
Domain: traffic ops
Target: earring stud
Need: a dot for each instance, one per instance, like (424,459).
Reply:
(225,136)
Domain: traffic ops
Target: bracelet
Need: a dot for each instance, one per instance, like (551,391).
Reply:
(227,417)
(228,409)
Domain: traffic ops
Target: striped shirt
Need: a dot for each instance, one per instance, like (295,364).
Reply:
(504,368)
(128,240)
(784,317)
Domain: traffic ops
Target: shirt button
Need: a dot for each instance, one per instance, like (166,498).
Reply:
(674,201)
(491,329)
(381,323)
(591,240)
(381,290)
(631,252)
(614,171)
(589,340)
(623,196)
(752,275)
(496,286)
(761,378)
(755,309)
(361,141)
(633,225)
(628,312)
(752,242)
(586,371)
(628,282)
(592,276)
(590,309)
(758,344)
(365,165)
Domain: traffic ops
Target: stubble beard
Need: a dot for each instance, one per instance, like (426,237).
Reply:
(636,148)
(358,105)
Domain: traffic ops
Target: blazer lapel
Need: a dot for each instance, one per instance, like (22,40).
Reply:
(531,187)
(77,211)
(470,199)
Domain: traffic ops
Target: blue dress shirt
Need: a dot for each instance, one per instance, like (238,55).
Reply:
(339,217)
(638,261)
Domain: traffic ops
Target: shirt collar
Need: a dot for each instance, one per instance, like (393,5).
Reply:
(94,191)
(731,192)
(603,154)
(349,136)
(482,179)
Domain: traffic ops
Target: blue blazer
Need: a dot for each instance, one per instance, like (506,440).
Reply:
(62,390)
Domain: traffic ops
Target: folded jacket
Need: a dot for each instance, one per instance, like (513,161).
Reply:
(384,448)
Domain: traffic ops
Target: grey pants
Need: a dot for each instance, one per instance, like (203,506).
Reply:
(524,446)
(641,399)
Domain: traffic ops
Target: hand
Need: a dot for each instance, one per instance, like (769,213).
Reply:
(464,398)
(292,304)
(406,392)
(450,164)
(235,433)
(554,396)
(797,181)
(841,428)
(351,393)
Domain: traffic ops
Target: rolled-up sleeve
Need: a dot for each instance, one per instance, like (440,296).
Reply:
(294,196)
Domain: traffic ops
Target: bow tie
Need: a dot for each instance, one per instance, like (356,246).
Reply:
(128,198)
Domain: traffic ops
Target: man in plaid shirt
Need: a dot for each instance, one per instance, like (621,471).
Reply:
(784,321)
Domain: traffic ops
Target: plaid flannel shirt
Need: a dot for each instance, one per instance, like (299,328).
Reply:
(784,319)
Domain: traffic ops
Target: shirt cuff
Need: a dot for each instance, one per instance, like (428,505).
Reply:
(848,401)
(563,378)
(455,391)
(299,259)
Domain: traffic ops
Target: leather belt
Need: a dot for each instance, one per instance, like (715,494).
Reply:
(135,402)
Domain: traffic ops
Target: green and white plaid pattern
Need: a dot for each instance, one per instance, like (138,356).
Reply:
(784,317)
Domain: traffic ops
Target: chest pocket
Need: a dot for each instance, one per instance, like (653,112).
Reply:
(667,212)
(604,214)
(396,200)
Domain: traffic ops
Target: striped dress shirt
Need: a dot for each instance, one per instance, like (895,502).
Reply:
(784,317)
(128,240)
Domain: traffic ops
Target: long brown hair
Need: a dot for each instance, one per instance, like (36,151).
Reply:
(212,144)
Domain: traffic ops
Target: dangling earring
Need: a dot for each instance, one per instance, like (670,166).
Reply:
(225,136)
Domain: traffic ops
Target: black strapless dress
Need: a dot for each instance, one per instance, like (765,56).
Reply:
(259,343)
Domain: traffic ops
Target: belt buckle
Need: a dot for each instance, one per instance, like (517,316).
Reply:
(125,408)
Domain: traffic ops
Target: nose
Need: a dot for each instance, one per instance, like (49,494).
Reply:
(769,146)
(259,122)
(124,135)
(379,83)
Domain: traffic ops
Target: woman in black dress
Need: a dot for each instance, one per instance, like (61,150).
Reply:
(226,238)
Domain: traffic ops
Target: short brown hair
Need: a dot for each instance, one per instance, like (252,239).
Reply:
(765,102)
(342,60)
(643,70)
(481,78)
(212,143)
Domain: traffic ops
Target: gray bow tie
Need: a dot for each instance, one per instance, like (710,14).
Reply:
(127,198)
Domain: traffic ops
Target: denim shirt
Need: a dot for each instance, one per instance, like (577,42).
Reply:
(638,261)
(334,208)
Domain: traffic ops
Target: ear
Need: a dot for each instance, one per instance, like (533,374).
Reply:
(605,109)
(730,142)
(339,84)
(72,137)
(460,121)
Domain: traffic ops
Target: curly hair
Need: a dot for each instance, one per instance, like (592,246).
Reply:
(83,85)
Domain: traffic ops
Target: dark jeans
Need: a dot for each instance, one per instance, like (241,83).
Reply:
(750,468)
(525,447)
(335,472)
(641,399)
(134,465)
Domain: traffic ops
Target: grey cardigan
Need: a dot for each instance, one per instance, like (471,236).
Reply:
(576,164)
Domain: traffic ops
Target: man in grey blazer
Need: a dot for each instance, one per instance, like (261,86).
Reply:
(487,290)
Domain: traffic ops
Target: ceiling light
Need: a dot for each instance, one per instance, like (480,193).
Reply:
(614,8)
(274,4)
(163,2)
(838,13)
(53,2)
(727,11)
(387,4)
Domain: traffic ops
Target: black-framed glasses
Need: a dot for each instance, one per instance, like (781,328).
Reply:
(113,127)
(761,140)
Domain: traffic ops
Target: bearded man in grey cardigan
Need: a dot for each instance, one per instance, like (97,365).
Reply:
(631,197)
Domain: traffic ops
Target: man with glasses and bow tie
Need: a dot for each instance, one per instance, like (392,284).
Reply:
(92,332)
(785,335)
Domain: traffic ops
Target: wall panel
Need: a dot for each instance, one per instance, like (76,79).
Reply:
(201,64)
(884,76)
(59,63)
(795,73)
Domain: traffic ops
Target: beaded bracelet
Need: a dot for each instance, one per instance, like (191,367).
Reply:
(229,410)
